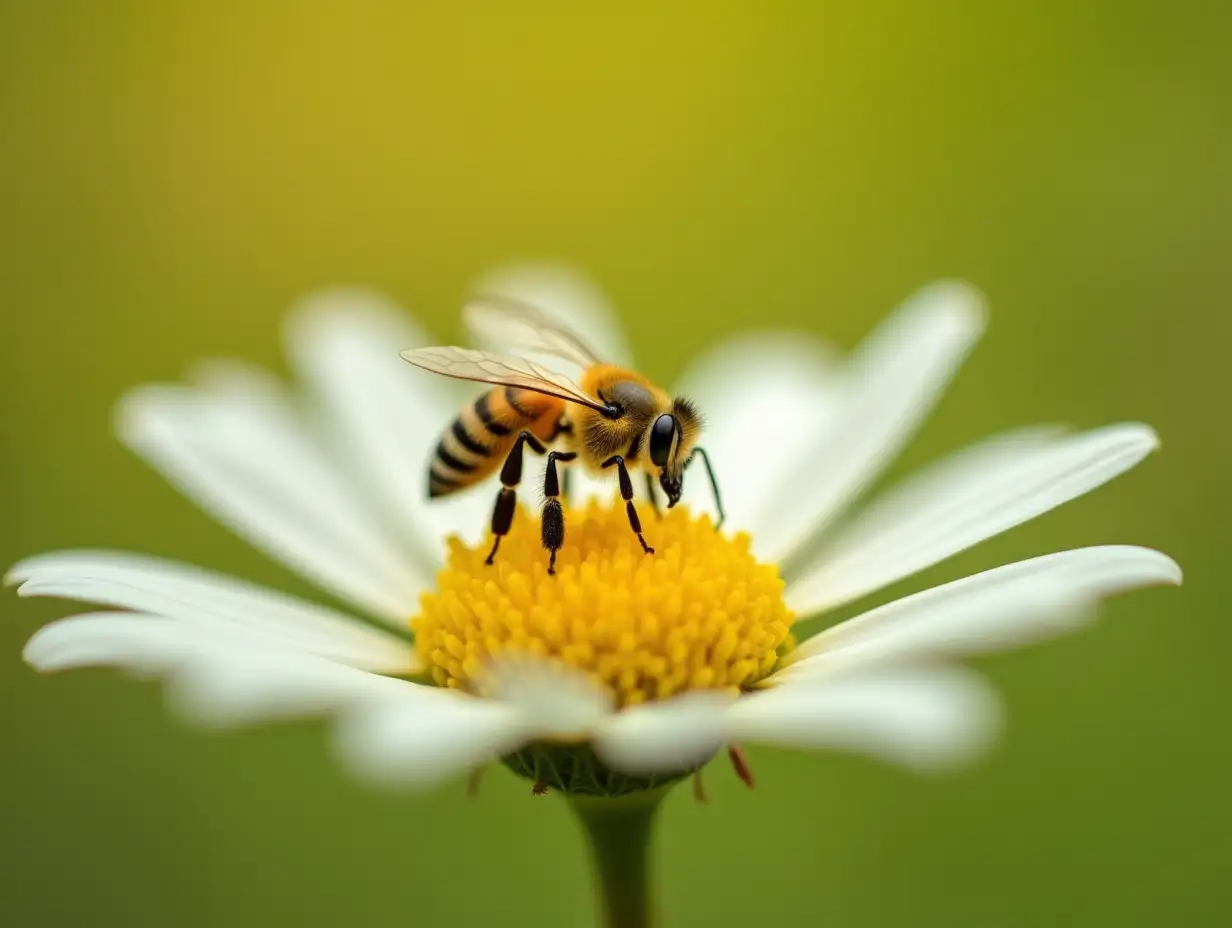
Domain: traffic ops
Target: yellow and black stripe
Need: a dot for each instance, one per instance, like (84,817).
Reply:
(476,443)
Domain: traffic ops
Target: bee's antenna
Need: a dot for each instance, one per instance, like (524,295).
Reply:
(714,486)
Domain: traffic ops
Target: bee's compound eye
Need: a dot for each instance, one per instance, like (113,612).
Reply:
(662,434)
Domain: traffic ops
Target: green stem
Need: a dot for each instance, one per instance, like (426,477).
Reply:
(619,832)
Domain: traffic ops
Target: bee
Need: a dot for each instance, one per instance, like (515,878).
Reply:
(610,419)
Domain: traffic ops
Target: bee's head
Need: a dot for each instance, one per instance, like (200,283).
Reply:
(672,438)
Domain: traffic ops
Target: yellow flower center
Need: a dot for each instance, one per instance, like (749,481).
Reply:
(699,613)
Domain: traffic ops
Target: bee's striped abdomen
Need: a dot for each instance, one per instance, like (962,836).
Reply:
(476,443)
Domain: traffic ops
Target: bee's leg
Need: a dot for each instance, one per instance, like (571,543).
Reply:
(626,493)
(566,484)
(553,514)
(651,495)
(507,499)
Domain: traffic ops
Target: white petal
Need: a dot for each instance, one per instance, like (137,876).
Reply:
(928,719)
(140,643)
(245,453)
(218,676)
(419,741)
(890,385)
(344,343)
(1001,608)
(190,594)
(566,296)
(555,700)
(961,501)
(769,390)
(254,686)
(665,737)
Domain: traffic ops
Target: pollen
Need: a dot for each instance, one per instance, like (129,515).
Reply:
(699,613)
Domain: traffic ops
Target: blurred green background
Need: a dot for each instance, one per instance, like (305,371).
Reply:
(173,175)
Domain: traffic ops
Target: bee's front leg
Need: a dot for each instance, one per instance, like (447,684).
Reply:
(626,493)
(553,513)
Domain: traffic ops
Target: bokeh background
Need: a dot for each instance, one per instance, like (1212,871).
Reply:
(173,175)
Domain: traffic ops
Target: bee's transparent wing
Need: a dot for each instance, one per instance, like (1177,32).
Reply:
(487,367)
(499,320)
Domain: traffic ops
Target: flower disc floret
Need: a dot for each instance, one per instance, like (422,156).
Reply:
(699,613)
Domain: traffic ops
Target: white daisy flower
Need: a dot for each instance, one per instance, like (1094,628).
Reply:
(623,671)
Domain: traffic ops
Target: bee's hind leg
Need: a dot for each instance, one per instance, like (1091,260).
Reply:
(553,514)
(626,493)
(507,498)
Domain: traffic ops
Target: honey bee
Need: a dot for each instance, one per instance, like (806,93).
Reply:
(611,418)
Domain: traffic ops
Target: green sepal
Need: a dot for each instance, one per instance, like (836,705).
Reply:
(575,770)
